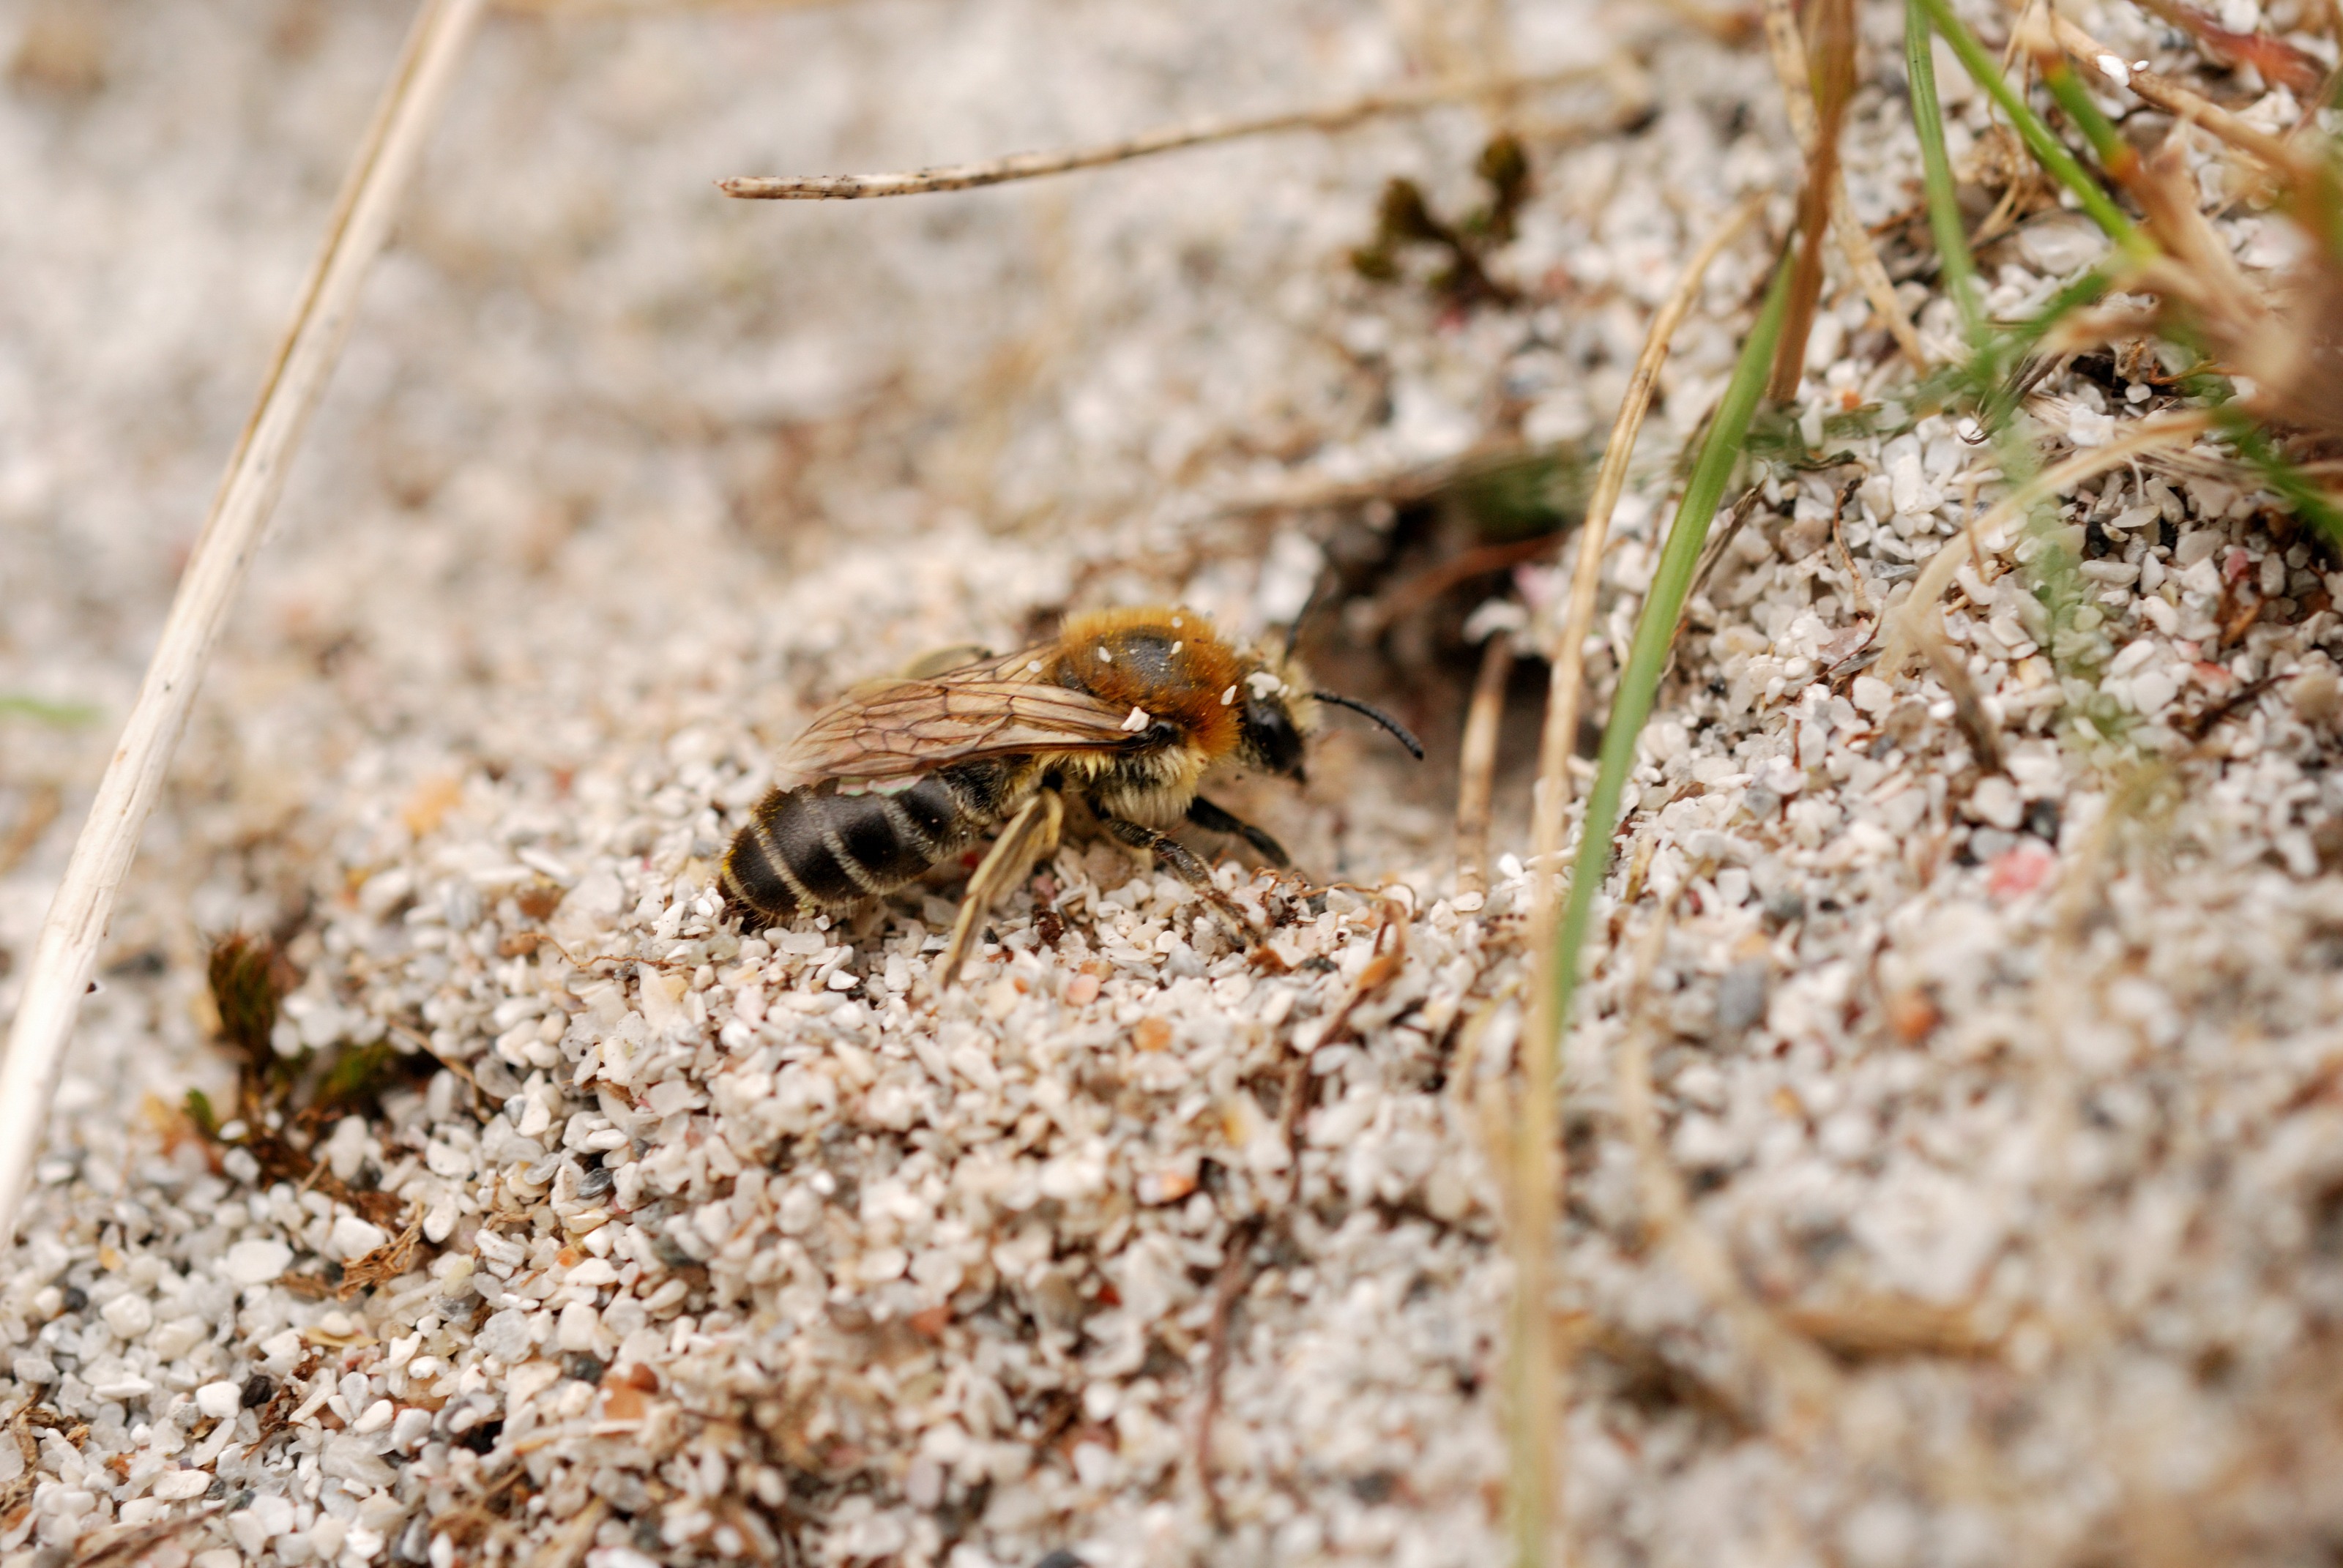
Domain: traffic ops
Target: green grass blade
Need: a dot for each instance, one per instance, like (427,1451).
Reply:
(65,715)
(1648,655)
(2253,443)
(1953,259)
(2106,142)
(1997,353)
(2048,149)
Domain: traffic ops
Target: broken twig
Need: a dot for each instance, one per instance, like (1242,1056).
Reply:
(1170,138)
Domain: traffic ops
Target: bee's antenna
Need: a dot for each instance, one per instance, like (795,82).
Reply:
(1399,730)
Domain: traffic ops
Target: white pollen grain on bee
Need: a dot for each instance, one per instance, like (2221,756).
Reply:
(1178,645)
(1229,698)
(1137,720)
(1105,656)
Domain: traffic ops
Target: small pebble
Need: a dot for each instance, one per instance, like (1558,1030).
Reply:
(257,1262)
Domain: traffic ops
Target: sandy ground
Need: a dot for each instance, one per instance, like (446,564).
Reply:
(2004,1104)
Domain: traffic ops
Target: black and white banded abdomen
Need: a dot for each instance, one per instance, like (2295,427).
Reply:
(813,847)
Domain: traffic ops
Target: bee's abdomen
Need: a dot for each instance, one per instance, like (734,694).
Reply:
(813,847)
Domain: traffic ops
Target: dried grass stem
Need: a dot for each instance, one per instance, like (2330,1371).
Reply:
(66,952)
(1170,138)
(1862,257)
(1477,768)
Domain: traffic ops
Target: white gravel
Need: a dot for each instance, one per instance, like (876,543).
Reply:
(2010,1101)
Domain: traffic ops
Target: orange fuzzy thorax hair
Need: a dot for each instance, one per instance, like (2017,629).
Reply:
(1202,668)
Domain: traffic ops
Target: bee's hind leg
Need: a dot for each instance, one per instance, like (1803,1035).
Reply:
(1184,865)
(735,908)
(1213,819)
(1029,835)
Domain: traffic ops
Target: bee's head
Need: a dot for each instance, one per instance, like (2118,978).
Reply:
(1274,715)
(1278,711)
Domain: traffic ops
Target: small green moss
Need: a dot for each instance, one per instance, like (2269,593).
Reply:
(1404,219)
(1403,215)
(1504,166)
(1375,263)
(248,979)
(199,1111)
(357,1076)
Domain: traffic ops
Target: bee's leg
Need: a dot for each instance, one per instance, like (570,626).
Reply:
(1030,834)
(1183,863)
(752,919)
(1213,820)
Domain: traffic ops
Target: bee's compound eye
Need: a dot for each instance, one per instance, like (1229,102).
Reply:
(1274,744)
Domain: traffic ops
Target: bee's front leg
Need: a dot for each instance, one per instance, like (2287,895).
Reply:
(1183,863)
(1216,819)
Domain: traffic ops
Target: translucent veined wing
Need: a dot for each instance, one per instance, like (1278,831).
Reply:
(900,729)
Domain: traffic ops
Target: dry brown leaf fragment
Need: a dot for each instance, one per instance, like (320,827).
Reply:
(1831,65)
(2280,63)
(1872,1327)
(62,50)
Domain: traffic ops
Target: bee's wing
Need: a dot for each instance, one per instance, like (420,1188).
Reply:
(996,707)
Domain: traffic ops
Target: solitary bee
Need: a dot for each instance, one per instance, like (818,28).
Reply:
(1126,709)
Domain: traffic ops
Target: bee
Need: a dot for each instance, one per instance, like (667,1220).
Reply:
(1125,710)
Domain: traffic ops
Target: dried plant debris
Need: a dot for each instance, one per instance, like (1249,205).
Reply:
(530,1211)
(284,1099)
(1405,225)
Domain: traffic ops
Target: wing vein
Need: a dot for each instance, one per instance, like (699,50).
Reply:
(993,708)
